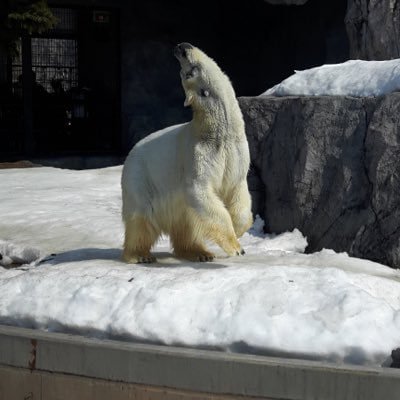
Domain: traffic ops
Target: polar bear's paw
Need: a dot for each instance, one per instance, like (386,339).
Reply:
(206,257)
(231,246)
(139,259)
(201,255)
(146,259)
(240,252)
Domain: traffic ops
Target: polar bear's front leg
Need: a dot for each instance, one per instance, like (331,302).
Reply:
(140,235)
(239,208)
(214,222)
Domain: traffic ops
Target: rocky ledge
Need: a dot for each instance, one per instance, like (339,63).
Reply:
(329,166)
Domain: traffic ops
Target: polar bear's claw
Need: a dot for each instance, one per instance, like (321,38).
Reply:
(195,255)
(146,260)
(136,259)
(206,257)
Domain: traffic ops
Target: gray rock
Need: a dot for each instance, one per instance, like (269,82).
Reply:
(329,166)
(395,358)
(373,28)
(382,240)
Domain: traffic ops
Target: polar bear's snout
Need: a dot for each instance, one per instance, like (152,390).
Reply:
(181,49)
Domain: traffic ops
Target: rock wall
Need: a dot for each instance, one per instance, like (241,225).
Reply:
(373,28)
(329,166)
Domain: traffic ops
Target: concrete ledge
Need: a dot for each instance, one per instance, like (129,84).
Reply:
(197,371)
(19,383)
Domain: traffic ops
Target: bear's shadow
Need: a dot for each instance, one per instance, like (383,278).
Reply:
(164,259)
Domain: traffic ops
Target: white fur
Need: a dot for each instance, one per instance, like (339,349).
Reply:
(189,180)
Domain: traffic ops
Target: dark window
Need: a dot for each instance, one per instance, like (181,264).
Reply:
(54,59)
(67,21)
(64,92)
(55,63)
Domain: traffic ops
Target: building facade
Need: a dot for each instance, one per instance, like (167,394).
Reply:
(105,75)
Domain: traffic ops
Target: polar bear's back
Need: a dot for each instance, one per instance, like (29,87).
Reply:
(152,170)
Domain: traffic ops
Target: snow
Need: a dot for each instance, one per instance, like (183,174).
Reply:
(61,236)
(357,78)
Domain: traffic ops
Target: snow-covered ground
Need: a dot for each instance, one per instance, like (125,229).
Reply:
(65,228)
(352,78)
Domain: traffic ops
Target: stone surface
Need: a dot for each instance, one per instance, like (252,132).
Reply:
(395,358)
(49,366)
(373,28)
(329,166)
(19,384)
(23,384)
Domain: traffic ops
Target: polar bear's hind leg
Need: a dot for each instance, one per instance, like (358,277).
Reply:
(186,239)
(194,252)
(140,235)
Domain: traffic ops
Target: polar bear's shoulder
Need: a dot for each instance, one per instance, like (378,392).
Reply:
(159,144)
(162,134)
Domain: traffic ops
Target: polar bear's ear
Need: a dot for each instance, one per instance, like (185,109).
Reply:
(189,100)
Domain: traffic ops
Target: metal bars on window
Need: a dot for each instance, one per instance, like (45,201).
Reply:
(67,21)
(54,58)
(55,63)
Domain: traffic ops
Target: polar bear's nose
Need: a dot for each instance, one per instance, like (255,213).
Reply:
(181,48)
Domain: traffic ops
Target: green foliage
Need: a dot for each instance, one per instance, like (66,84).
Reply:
(35,18)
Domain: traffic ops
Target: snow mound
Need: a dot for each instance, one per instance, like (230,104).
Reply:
(256,241)
(11,253)
(274,300)
(357,78)
(257,228)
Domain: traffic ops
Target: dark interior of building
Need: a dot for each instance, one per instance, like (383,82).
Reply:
(105,75)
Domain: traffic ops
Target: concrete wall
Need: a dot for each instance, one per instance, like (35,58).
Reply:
(20,383)
(43,363)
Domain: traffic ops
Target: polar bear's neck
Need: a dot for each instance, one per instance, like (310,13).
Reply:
(223,122)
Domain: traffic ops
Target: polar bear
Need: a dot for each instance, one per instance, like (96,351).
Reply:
(189,180)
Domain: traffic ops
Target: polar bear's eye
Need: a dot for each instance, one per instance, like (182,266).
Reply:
(204,93)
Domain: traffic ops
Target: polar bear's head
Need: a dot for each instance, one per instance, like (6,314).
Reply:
(206,87)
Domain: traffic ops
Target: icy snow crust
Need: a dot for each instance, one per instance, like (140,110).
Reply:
(275,300)
(357,78)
